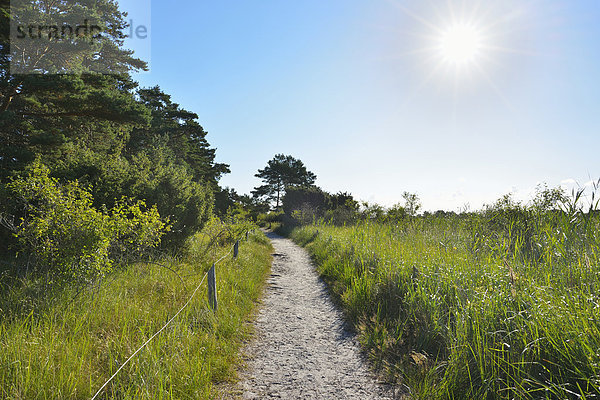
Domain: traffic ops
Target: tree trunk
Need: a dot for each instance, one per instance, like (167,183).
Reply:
(10,93)
(5,103)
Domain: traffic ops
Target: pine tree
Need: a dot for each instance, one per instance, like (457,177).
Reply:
(280,173)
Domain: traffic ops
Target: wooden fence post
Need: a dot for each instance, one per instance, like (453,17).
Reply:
(236,248)
(212,288)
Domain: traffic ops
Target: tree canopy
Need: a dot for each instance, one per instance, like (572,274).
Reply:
(78,112)
(281,173)
(59,101)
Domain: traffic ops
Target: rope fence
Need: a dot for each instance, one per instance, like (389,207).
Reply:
(212,300)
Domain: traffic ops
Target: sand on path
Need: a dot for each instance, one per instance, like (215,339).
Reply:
(301,349)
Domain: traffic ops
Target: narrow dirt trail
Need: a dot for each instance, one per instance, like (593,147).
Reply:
(301,350)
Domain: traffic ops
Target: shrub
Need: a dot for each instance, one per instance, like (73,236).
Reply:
(305,204)
(66,236)
(154,175)
(157,178)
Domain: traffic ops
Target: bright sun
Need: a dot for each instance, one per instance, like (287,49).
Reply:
(463,46)
(460,45)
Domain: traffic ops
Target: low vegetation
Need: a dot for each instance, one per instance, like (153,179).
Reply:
(66,238)
(498,304)
(56,343)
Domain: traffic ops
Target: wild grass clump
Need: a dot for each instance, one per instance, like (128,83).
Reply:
(499,304)
(67,347)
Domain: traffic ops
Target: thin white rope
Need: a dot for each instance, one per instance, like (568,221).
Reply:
(161,329)
(153,336)
(221,259)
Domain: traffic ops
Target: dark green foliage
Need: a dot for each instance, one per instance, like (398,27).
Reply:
(225,199)
(74,53)
(167,163)
(56,116)
(157,177)
(101,130)
(373,212)
(65,236)
(305,204)
(281,173)
(412,204)
(342,199)
(153,175)
(343,209)
(229,204)
(397,213)
(46,114)
(177,129)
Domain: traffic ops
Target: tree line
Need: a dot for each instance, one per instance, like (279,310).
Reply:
(288,194)
(95,168)
(127,166)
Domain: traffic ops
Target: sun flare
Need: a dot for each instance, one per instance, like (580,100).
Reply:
(461,45)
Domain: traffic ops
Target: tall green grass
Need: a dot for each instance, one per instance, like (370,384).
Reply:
(54,347)
(500,304)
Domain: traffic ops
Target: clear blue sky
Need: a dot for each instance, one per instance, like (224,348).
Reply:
(354,89)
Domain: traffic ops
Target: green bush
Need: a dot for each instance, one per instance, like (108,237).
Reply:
(305,204)
(157,178)
(153,175)
(66,237)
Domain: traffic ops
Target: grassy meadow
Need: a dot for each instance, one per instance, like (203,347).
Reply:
(498,304)
(65,346)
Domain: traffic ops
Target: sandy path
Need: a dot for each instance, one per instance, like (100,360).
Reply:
(301,350)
